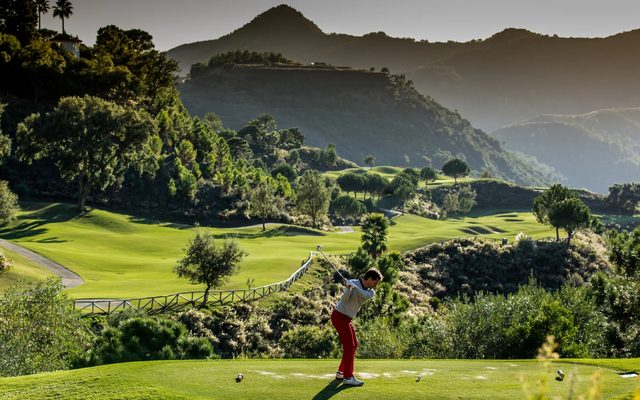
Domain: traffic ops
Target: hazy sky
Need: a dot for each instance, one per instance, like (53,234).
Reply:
(175,22)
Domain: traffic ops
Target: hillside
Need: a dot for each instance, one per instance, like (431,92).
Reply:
(361,112)
(511,76)
(592,150)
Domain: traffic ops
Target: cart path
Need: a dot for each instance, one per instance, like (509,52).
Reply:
(69,278)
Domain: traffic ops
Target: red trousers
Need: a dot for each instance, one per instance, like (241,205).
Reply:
(347,334)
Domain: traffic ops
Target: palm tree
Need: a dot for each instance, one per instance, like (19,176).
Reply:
(43,7)
(62,9)
(369,160)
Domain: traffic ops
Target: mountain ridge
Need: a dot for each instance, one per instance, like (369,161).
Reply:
(511,76)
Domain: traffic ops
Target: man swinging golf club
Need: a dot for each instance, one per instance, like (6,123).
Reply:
(356,292)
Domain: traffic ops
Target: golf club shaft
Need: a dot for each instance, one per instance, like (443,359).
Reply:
(334,267)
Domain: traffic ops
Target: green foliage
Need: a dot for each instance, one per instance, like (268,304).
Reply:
(347,208)
(19,18)
(39,330)
(265,203)
(618,294)
(309,342)
(62,9)
(466,266)
(428,174)
(570,214)
(208,263)
(8,203)
(381,339)
(456,168)
(459,200)
(286,170)
(146,338)
(239,57)
(625,196)
(374,229)
(92,141)
(5,263)
(512,326)
(544,203)
(312,196)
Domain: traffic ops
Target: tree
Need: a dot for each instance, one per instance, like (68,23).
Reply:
(264,202)
(451,202)
(547,200)
(207,263)
(42,6)
(347,208)
(63,9)
(370,160)
(312,196)
(570,214)
(8,203)
(18,18)
(92,141)
(285,170)
(428,174)
(40,330)
(376,184)
(455,168)
(351,182)
(374,234)
(625,197)
(466,199)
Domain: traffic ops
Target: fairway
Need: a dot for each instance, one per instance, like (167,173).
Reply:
(22,269)
(122,256)
(313,379)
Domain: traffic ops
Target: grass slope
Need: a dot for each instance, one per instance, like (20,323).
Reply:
(22,268)
(121,256)
(312,379)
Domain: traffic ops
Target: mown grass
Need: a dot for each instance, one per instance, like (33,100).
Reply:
(312,379)
(121,256)
(22,268)
(390,172)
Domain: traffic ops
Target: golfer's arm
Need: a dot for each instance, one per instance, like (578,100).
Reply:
(366,293)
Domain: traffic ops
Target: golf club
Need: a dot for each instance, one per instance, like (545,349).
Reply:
(327,258)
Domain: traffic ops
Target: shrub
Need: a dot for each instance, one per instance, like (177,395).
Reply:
(5,262)
(310,342)
(39,329)
(8,203)
(147,338)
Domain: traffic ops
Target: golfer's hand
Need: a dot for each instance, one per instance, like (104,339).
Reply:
(349,284)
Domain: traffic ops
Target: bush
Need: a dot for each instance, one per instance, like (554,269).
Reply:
(147,338)
(5,262)
(379,338)
(8,203)
(39,329)
(512,326)
(310,342)
(420,205)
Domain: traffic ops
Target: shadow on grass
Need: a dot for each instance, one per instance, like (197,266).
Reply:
(270,233)
(32,222)
(334,387)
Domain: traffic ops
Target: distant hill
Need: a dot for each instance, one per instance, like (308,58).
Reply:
(361,112)
(512,76)
(592,150)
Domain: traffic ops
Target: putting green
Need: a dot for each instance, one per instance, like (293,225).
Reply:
(122,256)
(312,379)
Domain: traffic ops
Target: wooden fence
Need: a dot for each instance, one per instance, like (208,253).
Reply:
(184,300)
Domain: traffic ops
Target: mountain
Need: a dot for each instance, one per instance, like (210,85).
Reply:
(361,112)
(511,76)
(592,150)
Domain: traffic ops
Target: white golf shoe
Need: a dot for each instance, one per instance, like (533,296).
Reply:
(352,382)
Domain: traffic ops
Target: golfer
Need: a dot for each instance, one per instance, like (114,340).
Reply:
(355,294)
